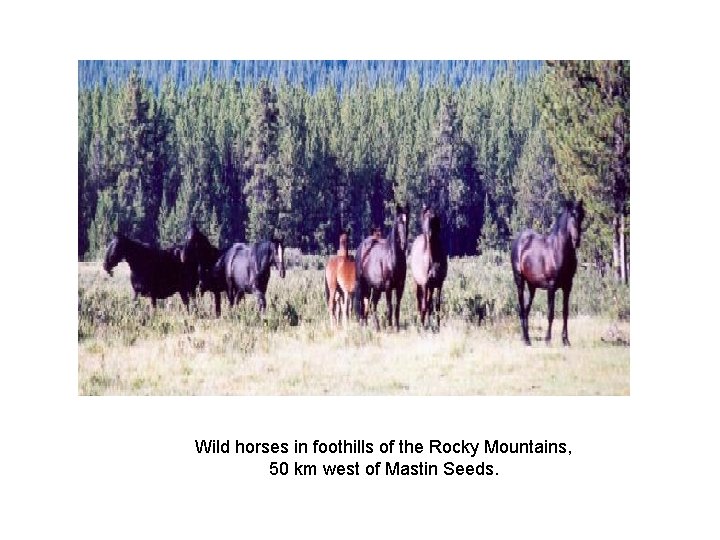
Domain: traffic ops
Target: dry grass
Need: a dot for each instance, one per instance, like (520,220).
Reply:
(194,354)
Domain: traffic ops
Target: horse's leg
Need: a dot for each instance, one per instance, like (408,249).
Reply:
(153,302)
(426,309)
(342,296)
(520,282)
(262,304)
(398,297)
(429,304)
(531,291)
(359,298)
(566,305)
(419,297)
(217,304)
(348,303)
(231,292)
(551,313)
(365,306)
(374,299)
(437,305)
(331,303)
(186,300)
(388,301)
(339,300)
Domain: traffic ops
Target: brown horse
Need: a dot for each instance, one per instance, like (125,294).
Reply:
(381,266)
(548,262)
(340,281)
(428,262)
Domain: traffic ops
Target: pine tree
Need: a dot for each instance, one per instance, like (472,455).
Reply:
(537,197)
(451,174)
(137,189)
(503,156)
(104,224)
(261,189)
(586,113)
(441,161)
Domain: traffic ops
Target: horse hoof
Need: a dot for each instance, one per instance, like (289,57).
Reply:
(566,342)
(526,341)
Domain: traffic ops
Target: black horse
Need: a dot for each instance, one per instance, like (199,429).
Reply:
(197,251)
(548,262)
(380,266)
(247,269)
(155,273)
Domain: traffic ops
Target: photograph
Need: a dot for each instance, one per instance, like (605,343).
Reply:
(353,228)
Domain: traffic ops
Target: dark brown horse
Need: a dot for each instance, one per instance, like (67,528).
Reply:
(380,266)
(154,273)
(199,252)
(548,262)
(340,281)
(428,262)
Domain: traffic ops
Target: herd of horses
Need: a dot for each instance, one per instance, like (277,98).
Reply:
(378,266)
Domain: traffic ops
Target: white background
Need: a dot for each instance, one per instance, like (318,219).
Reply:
(641,466)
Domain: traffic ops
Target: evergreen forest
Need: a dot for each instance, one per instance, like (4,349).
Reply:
(305,150)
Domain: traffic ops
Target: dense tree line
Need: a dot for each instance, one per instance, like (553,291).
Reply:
(249,160)
(312,74)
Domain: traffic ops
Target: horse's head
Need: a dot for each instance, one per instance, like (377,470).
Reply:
(343,244)
(426,216)
(114,253)
(434,227)
(401,225)
(576,214)
(194,243)
(278,255)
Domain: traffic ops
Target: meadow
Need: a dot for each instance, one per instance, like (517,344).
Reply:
(127,348)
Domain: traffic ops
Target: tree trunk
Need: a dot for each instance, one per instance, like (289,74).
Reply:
(616,247)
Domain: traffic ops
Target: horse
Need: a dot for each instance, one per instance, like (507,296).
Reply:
(380,266)
(428,263)
(247,269)
(340,281)
(192,273)
(198,251)
(154,273)
(548,262)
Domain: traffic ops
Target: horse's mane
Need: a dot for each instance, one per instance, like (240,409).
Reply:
(145,247)
(261,250)
(561,222)
(434,236)
(343,245)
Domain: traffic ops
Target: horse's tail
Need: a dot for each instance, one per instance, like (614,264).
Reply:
(358,299)
(514,256)
(327,291)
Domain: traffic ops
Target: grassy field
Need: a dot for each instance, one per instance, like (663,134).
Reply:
(127,349)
